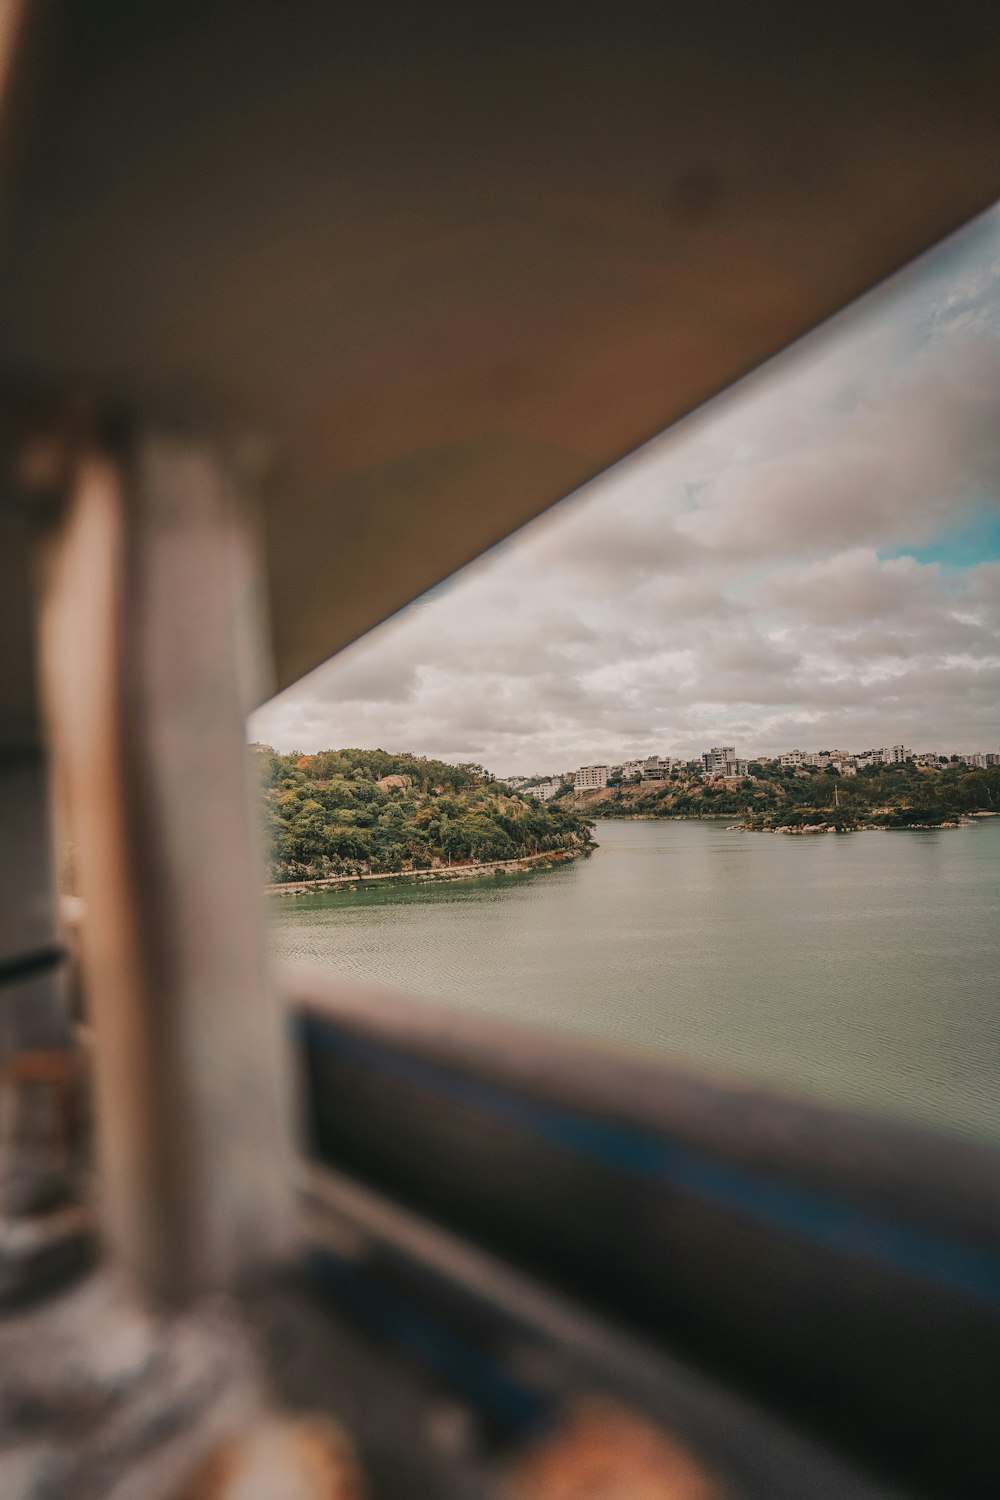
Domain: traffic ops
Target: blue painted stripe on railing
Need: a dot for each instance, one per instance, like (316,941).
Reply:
(495,1391)
(823,1218)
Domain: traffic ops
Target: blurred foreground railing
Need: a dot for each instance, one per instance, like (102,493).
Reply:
(840,1273)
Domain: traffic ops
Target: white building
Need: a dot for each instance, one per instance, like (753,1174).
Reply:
(721,761)
(887,755)
(817,758)
(591,778)
(544,790)
(713,760)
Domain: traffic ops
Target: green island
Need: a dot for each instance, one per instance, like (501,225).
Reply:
(360,814)
(775,798)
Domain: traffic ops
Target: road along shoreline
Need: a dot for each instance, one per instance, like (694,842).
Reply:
(437,873)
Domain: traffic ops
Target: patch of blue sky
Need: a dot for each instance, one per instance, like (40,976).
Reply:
(975,541)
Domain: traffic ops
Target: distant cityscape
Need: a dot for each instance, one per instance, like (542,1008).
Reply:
(722,763)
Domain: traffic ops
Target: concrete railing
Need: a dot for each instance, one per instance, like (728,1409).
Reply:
(840,1270)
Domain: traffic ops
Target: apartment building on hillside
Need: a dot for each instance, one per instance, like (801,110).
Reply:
(591,778)
(721,760)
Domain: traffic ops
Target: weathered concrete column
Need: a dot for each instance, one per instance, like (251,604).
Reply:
(151,633)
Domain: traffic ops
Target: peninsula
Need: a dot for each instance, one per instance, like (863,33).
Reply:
(345,815)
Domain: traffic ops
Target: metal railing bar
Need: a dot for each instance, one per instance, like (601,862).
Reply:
(346,1217)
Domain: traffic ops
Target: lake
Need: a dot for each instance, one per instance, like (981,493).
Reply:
(861,969)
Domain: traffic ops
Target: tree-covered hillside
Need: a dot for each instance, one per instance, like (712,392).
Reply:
(775,796)
(357,812)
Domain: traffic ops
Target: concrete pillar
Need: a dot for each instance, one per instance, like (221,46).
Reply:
(152,636)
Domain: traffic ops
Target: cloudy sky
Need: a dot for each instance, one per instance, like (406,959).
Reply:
(813,559)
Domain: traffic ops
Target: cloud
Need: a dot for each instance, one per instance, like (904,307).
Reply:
(764,574)
(918,457)
(849,588)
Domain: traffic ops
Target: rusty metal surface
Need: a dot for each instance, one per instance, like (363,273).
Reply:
(448,261)
(605,1452)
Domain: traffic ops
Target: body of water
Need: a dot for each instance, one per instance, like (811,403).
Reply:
(861,969)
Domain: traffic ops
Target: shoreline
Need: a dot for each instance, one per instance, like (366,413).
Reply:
(961,820)
(523,864)
(807,828)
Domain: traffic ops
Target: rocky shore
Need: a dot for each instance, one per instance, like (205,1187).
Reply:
(808,828)
(438,873)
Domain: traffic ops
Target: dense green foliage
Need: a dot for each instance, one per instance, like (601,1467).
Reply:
(772,796)
(354,812)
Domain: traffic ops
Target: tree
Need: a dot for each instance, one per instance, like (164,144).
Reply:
(325,814)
